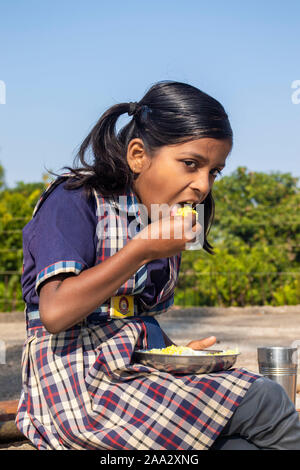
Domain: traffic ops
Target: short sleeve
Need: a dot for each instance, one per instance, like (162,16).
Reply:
(63,235)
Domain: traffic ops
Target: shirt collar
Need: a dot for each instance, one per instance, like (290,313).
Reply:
(126,202)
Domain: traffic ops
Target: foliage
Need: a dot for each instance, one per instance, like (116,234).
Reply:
(16,206)
(256,238)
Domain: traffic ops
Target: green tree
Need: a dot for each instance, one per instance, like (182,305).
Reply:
(256,239)
(16,206)
(255,236)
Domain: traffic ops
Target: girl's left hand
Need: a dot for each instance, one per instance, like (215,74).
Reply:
(200,344)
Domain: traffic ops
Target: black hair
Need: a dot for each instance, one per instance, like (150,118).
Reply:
(170,113)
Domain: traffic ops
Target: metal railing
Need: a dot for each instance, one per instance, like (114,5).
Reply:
(218,290)
(238,288)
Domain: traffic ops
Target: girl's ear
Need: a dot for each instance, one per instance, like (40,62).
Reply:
(137,157)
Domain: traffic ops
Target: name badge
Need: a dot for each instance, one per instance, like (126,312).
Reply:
(122,306)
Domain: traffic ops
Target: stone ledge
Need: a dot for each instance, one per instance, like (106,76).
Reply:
(8,429)
(11,317)
(248,310)
(24,445)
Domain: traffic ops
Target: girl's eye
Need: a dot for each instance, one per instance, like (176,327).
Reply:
(216,172)
(190,161)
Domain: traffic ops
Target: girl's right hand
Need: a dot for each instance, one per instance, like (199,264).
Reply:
(168,236)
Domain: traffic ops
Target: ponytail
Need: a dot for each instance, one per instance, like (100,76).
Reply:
(170,113)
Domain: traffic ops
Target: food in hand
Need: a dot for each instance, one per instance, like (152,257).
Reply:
(183,211)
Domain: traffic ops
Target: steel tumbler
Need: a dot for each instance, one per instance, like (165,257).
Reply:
(280,364)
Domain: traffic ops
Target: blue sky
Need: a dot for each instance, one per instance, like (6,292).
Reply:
(65,62)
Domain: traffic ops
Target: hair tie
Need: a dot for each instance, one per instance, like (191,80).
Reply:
(132,108)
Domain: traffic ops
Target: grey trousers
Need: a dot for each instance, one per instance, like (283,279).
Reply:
(266,419)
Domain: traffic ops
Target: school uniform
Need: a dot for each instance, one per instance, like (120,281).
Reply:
(81,388)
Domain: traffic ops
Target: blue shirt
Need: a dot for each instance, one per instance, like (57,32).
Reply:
(63,233)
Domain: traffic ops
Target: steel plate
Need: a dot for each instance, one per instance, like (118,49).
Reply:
(179,364)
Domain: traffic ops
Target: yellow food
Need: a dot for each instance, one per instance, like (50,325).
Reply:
(171,350)
(184,350)
(186,210)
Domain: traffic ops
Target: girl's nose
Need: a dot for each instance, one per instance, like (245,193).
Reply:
(202,185)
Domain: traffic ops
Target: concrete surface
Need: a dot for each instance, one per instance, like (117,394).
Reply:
(246,329)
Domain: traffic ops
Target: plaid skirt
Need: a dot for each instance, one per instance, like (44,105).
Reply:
(82,390)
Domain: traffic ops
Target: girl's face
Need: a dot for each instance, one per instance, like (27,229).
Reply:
(177,173)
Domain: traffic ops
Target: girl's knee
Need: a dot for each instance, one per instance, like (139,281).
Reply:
(269,390)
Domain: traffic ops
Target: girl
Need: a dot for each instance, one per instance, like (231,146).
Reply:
(92,286)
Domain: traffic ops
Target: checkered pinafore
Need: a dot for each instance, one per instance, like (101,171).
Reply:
(82,390)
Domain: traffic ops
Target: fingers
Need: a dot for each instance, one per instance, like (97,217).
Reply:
(174,210)
(194,232)
(181,228)
(190,218)
(204,343)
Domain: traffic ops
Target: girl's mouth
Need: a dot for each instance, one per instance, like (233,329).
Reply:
(182,204)
(188,203)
